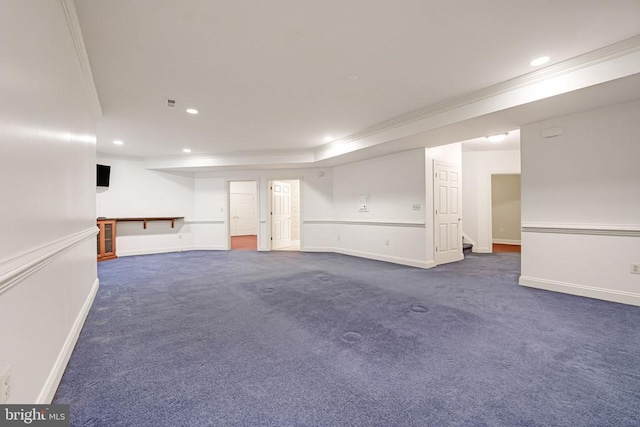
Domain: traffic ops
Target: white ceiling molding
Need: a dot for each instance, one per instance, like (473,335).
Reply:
(248,159)
(598,56)
(70,12)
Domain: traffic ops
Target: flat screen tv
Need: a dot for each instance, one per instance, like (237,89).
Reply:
(102,175)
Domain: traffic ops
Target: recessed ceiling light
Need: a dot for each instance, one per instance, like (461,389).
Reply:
(497,138)
(192,111)
(328,138)
(186,150)
(539,61)
(352,77)
(118,142)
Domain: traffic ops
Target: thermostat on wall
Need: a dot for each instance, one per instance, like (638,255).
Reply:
(363,205)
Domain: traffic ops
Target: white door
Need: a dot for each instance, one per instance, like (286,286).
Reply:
(280,215)
(447,202)
(243,214)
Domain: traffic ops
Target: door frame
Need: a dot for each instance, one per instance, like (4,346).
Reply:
(269,221)
(490,203)
(257,206)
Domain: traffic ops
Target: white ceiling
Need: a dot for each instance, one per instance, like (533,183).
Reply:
(273,75)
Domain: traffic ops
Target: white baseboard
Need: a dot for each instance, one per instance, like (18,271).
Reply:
(361,254)
(581,290)
(482,250)
(51,385)
(507,242)
(316,249)
(370,255)
(206,248)
(386,258)
(167,250)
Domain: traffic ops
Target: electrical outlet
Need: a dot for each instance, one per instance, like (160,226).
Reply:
(386,242)
(5,385)
(338,237)
(635,268)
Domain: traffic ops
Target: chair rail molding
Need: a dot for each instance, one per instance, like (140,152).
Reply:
(16,268)
(415,224)
(624,230)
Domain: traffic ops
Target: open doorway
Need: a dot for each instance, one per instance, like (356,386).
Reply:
(243,215)
(285,215)
(505,212)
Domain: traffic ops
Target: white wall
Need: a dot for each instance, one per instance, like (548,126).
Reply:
(477,168)
(134,192)
(202,199)
(47,215)
(581,204)
(391,230)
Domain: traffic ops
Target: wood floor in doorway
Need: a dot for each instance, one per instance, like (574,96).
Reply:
(244,243)
(497,247)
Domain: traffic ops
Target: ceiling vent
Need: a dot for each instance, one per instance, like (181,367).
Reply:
(171,103)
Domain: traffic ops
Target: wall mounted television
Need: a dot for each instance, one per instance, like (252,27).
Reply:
(102,175)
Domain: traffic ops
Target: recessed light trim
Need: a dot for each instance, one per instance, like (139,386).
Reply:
(186,150)
(498,138)
(118,142)
(192,111)
(539,61)
(328,138)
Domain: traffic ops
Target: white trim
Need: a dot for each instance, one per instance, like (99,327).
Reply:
(625,230)
(507,242)
(581,290)
(386,258)
(71,13)
(204,221)
(15,269)
(416,224)
(317,249)
(205,248)
(370,255)
(51,385)
(135,252)
(478,250)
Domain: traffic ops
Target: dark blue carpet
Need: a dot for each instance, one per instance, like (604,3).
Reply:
(250,338)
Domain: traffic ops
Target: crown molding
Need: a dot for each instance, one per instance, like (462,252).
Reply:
(73,21)
(607,53)
(112,156)
(233,159)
